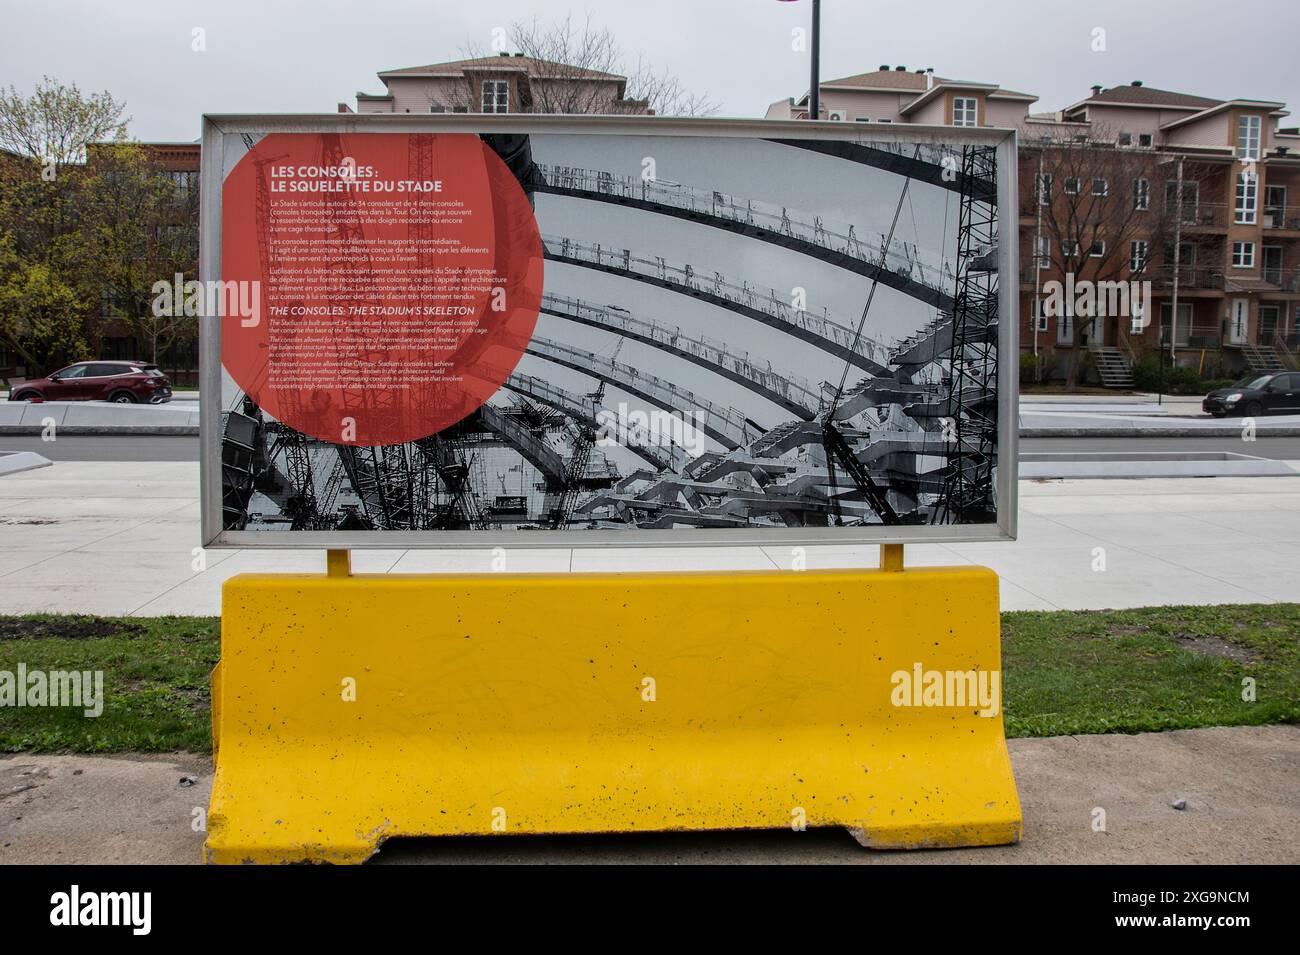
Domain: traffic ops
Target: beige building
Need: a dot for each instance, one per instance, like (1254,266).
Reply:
(1236,216)
(899,95)
(504,83)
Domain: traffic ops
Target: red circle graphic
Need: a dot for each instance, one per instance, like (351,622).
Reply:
(376,287)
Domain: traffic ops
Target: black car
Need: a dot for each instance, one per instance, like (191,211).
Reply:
(1252,397)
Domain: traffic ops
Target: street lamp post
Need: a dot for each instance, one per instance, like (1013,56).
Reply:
(814,94)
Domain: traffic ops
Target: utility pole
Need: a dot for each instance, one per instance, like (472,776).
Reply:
(1178,251)
(1178,262)
(1036,258)
(814,93)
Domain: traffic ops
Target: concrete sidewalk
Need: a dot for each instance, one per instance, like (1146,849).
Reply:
(1242,787)
(120,537)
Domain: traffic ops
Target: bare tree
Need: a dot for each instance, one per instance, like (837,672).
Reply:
(1096,199)
(579,69)
(56,123)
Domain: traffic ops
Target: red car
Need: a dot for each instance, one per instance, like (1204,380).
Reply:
(125,382)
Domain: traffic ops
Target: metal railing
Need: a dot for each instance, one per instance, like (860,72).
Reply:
(709,416)
(686,276)
(1281,217)
(1287,281)
(898,256)
(1206,215)
(622,322)
(1189,277)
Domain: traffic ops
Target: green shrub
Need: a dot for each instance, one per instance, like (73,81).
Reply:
(1147,376)
(1030,367)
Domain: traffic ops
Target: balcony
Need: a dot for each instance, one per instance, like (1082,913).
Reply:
(1200,215)
(1286,280)
(1190,278)
(1281,218)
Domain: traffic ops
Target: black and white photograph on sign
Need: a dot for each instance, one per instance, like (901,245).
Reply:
(733,333)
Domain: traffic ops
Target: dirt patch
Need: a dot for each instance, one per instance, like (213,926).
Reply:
(65,628)
(1127,630)
(1214,647)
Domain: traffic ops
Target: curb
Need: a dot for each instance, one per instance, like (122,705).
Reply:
(1170,432)
(75,430)
(15,461)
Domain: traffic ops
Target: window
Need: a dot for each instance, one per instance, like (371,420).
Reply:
(1275,207)
(435,108)
(1100,186)
(1126,139)
(1069,248)
(1243,255)
(965,111)
(1137,255)
(1186,255)
(1044,255)
(1190,199)
(1043,186)
(1247,193)
(1144,140)
(1248,129)
(1137,319)
(1098,248)
(1271,264)
(182,180)
(1141,194)
(1182,328)
(496,96)
(1065,330)
(1038,315)
(1071,185)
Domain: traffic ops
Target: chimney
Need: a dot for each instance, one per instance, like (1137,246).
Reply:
(1096,91)
(1136,83)
(900,69)
(503,54)
(929,77)
(518,54)
(884,67)
(344,108)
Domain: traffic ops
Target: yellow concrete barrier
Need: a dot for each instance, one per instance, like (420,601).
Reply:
(352,709)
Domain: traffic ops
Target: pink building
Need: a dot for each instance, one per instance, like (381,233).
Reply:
(505,83)
(901,96)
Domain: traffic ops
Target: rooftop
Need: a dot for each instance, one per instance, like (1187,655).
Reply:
(503,61)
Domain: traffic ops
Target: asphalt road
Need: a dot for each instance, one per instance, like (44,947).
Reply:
(186,448)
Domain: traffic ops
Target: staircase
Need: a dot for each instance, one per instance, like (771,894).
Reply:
(1262,359)
(1114,368)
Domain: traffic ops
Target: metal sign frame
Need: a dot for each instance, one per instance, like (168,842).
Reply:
(217,127)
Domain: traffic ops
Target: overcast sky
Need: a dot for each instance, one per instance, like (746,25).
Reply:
(270,56)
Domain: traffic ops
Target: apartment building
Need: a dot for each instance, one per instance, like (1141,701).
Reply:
(899,95)
(1198,196)
(1217,185)
(505,83)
